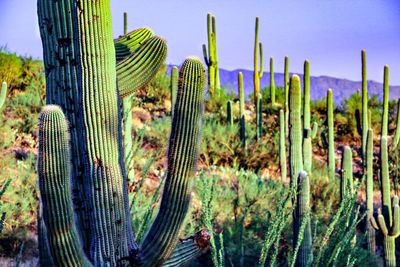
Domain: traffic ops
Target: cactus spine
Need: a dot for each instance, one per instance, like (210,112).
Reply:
(242,119)
(173,88)
(346,182)
(211,59)
(229,114)
(282,146)
(258,48)
(388,220)
(272,81)
(307,142)
(88,95)
(331,144)
(370,189)
(3,94)
(297,173)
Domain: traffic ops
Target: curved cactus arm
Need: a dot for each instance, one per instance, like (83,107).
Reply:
(128,43)
(183,152)
(394,231)
(189,248)
(53,171)
(141,66)
(205,55)
(396,137)
(374,223)
(3,94)
(382,225)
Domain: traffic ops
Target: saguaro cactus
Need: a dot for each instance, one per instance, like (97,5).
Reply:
(331,144)
(307,143)
(229,113)
(173,87)
(282,146)
(3,94)
(388,220)
(258,48)
(365,125)
(385,114)
(80,49)
(242,119)
(286,85)
(370,189)
(346,182)
(272,81)
(296,167)
(211,59)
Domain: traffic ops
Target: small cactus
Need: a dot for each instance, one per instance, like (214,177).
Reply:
(346,182)
(211,59)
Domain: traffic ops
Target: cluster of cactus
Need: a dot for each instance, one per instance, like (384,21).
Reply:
(86,219)
(257,75)
(211,58)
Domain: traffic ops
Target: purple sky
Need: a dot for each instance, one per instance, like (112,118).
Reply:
(329,33)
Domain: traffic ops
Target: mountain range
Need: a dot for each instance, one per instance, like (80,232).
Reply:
(341,88)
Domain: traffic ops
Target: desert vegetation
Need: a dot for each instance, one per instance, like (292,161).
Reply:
(110,157)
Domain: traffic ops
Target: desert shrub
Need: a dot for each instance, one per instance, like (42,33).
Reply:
(10,68)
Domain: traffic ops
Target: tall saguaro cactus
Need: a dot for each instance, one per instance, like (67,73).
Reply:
(307,143)
(296,168)
(331,144)
(258,48)
(282,146)
(242,119)
(272,81)
(385,114)
(81,77)
(211,59)
(388,220)
(286,86)
(365,125)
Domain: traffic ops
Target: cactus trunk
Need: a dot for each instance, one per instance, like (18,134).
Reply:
(173,88)
(389,248)
(307,142)
(286,85)
(282,146)
(385,114)
(229,113)
(242,119)
(370,190)
(346,183)
(272,81)
(365,125)
(331,144)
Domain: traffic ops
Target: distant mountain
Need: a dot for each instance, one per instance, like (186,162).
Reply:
(341,88)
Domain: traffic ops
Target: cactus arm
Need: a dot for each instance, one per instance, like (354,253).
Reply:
(182,159)
(396,137)
(331,144)
(141,66)
(394,231)
(53,171)
(374,224)
(282,146)
(173,87)
(385,114)
(271,80)
(242,119)
(189,248)
(214,35)
(382,225)
(261,73)
(3,94)
(125,23)
(128,43)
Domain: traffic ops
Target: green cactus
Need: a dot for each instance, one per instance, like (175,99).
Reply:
(331,144)
(296,168)
(173,87)
(286,85)
(259,117)
(388,220)
(3,94)
(346,182)
(385,114)
(257,74)
(314,130)
(242,119)
(128,43)
(365,125)
(229,113)
(272,81)
(370,189)
(282,146)
(211,59)
(81,50)
(54,184)
(307,142)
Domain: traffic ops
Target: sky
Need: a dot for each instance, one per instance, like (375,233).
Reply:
(329,33)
